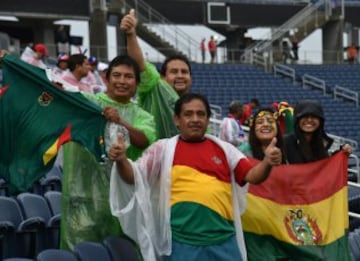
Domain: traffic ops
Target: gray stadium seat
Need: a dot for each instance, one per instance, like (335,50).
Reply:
(56,255)
(121,248)
(91,251)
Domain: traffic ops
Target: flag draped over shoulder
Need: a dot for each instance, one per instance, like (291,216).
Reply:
(299,213)
(36,118)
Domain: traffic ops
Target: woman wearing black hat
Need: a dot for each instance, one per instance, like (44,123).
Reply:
(309,141)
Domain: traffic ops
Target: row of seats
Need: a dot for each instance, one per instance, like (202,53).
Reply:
(29,223)
(275,89)
(113,248)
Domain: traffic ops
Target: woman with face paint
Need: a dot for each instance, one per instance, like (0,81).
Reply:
(309,141)
(263,128)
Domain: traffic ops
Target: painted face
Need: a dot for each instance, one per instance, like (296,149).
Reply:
(122,84)
(178,76)
(192,121)
(309,123)
(265,126)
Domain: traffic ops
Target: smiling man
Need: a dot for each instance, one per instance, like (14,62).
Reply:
(158,92)
(181,200)
(123,75)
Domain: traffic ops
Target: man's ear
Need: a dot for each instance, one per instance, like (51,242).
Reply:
(176,120)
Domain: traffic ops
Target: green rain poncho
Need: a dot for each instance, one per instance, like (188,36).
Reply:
(158,98)
(86,213)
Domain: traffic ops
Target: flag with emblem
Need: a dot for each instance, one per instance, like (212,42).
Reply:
(36,118)
(299,213)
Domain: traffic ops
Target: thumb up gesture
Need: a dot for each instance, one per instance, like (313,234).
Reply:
(129,22)
(273,154)
(117,150)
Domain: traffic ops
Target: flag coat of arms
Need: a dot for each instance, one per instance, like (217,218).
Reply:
(299,213)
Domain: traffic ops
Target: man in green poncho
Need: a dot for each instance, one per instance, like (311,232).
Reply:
(86,213)
(157,93)
(122,76)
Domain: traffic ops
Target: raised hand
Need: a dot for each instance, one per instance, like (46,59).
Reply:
(129,22)
(117,150)
(273,154)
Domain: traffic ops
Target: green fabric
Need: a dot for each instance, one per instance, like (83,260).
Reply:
(158,98)
(246,148)
(85,206)
(86,212)
(33,115)
(131,113)
(267,248)
(195,224)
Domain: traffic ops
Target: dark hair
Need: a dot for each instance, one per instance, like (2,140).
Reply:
(124,60)
(188,97)
(235,106)
(76,59)
(319,149)
(172,58)
(255,143)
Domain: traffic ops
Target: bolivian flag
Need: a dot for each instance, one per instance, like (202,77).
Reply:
(299,213)
(36,118)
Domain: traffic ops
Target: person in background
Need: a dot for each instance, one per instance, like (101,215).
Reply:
(295,48)
(62,40)
(35,55)
(264,127)
(352,53)
(188,186)
(102,69)
(203,50)
(61,65)
(212,49)
(309,141)
(78,69)
(93,78)
(230,127)
(248,110)
(157,93)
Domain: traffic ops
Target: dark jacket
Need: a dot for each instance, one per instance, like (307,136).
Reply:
(297,150)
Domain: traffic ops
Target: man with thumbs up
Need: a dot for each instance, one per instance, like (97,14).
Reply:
(157,93)
(182,200)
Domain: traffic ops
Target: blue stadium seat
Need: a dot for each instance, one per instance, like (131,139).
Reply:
(121,248)
(56,255)
(18,259)
(91,251)
(54,200)
(35,206)
(16,232)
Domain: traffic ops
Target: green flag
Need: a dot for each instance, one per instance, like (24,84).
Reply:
(36,118)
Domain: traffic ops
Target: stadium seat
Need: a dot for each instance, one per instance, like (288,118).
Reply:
(121,248)
(54,200)
(3,187)
(18,259)
(35,206)
(56,255)
(354,249)
(16,233)
(91,251)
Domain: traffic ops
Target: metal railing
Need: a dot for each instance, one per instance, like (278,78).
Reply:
(167,30)
(301,19)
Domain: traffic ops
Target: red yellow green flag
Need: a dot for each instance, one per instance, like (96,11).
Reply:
(299,213)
